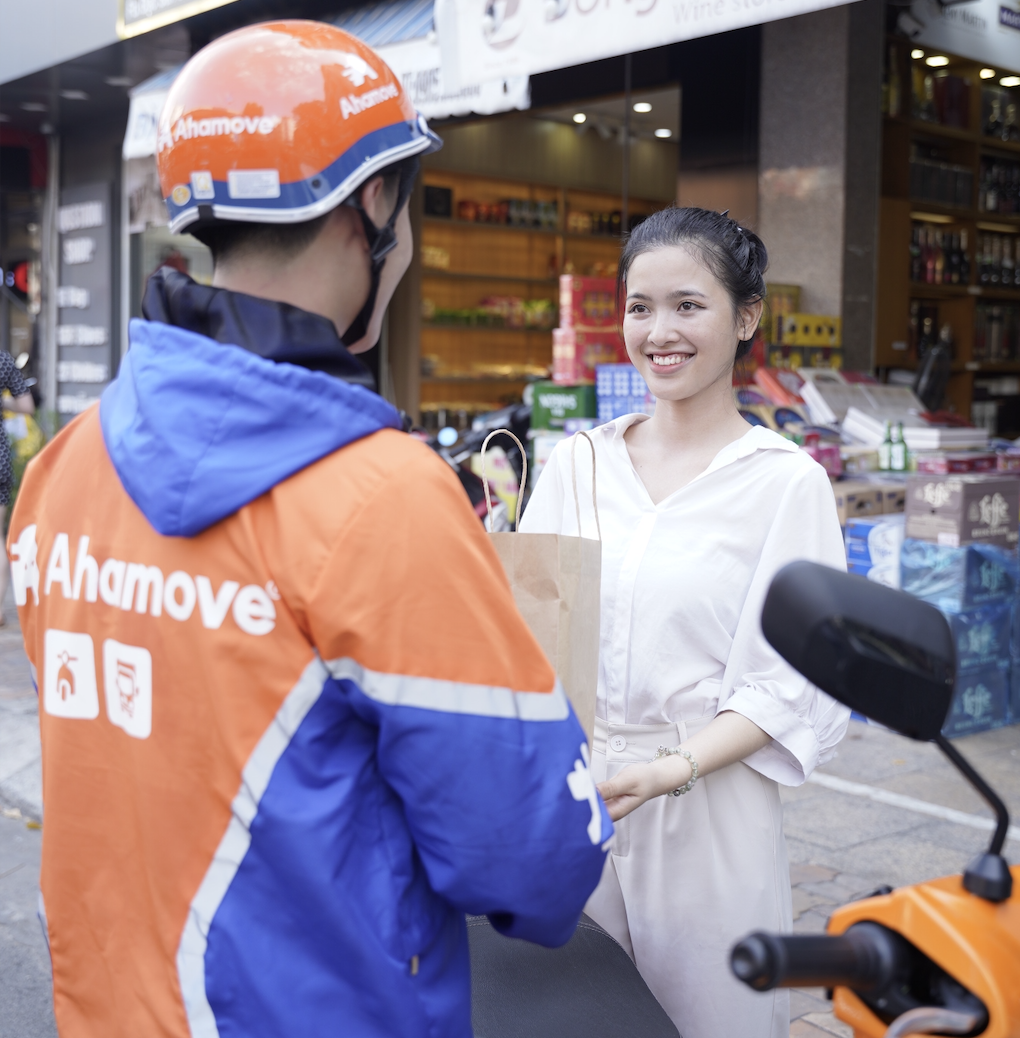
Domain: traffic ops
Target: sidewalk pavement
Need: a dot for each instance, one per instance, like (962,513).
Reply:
(20,766)
(842,843)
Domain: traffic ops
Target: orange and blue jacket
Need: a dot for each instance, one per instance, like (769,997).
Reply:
(293,727)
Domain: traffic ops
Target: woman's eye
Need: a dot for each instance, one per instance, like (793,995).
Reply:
(687,306)
(638,308)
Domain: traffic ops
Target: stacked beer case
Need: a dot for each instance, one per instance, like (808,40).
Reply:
(960,554)
(588,334)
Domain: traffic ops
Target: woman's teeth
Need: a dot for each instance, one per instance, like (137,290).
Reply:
(670,360)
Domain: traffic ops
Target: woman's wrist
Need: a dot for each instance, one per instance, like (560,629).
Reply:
(671,772)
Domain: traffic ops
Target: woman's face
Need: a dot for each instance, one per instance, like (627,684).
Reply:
(679,324)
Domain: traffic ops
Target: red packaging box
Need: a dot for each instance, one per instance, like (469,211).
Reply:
(588,303)
(941,463)
(576,352)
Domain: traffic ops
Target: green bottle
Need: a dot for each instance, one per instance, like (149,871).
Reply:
(885,450)
(898,453)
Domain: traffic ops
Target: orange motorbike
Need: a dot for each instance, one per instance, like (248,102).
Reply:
(941,957)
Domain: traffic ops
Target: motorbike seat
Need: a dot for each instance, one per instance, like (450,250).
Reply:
(589,988)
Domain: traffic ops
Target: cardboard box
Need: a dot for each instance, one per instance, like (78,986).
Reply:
(874,541)
(576,353)
(588,303)
(855,499)
(942,463)
(954,510)
(980,701)
(954,579)
(894,498)
(798,329)
(981,635)
(554,403)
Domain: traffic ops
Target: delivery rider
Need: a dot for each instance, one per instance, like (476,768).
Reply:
(293,727)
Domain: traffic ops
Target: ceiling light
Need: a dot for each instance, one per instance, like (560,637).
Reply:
(118,81)
(1009,81)
(74,95)
(642,107)
(579,117)
(664,133)
(4,117)
(987,73)
(33,106)
(917,54)
(937,60)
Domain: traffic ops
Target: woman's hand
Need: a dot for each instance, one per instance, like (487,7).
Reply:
(640,782)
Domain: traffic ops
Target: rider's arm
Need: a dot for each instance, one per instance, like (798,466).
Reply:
(412,613)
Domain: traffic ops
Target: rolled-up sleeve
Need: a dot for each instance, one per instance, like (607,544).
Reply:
(805,724)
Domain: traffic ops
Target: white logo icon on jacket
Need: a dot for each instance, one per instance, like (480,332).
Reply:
(127,680)
(582,787)
(69,675)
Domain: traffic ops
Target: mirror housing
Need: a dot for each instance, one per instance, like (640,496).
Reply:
(879,651)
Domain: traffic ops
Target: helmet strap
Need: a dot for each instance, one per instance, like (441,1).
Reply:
(381,242)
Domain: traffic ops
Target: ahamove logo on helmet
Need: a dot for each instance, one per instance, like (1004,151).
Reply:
(217,126)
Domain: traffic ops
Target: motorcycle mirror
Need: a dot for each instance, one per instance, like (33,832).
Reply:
(880,651)
(888,656)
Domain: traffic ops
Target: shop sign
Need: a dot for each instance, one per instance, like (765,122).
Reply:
(501,38)
(83,297)
(138,16)
(982,30)
(418,65)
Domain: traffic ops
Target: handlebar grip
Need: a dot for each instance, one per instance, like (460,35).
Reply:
(864,958)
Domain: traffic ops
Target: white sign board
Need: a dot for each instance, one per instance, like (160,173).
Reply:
(489,39)
(418,66)
(982,30)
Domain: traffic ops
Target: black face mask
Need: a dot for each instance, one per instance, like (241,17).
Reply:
(381,242)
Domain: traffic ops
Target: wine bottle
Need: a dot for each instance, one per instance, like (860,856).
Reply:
(885,450)
(915,254)
(964,260)
(897,450)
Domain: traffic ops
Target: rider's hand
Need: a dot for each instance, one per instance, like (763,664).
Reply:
(640,782)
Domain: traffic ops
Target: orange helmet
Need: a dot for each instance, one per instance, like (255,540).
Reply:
(279,123)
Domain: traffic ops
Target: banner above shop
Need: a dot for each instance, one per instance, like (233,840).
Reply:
(489,39)
(138,16)
(982,30)
(403,33)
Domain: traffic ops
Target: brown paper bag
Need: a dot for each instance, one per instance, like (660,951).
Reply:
(556,581)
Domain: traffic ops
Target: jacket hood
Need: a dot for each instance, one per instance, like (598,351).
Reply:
(196,429)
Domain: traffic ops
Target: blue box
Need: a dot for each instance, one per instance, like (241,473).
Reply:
(980,701)
(955,579)
(875,540)
(981,636)
(887,573)
(620,380)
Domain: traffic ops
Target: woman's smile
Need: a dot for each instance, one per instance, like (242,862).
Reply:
(672,360)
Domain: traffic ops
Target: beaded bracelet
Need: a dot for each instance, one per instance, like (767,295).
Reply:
(664,751)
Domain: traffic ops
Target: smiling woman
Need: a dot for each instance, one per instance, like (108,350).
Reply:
(698,512)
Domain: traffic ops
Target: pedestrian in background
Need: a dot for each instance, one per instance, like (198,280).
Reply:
(21,403)
(698,511)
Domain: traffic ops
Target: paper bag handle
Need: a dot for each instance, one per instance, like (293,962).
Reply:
(524,476)
(573,478)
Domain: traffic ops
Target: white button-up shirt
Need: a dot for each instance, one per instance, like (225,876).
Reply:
(684,581)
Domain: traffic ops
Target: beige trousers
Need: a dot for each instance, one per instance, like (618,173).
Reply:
(689,876)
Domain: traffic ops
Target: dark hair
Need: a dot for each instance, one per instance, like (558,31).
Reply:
(735,255)
(227,239)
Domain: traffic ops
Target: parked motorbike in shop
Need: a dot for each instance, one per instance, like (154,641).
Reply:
(456,448)
(940,957)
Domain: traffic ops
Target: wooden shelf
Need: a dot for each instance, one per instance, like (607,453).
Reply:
(437,379)
(922,290)
(450,221)
(919,127)
(427,272)
(439,325)
(610,239)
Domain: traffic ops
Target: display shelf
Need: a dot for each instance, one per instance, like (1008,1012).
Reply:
(444,379)
(906,139)
(484,328)
(429,272)
(497,259)
(487,225)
